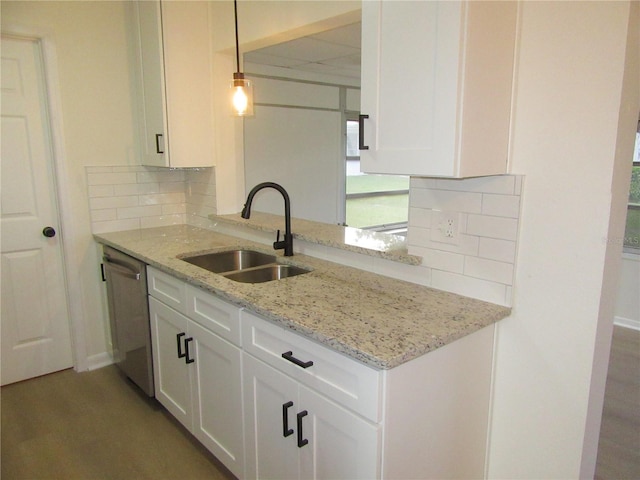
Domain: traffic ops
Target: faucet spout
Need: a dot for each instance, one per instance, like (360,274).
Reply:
(287,243)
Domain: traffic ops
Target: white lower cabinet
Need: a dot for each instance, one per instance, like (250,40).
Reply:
(292,432)
(272,404)
(198,378)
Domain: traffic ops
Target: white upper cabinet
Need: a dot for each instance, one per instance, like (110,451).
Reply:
(437,85)
(173,40)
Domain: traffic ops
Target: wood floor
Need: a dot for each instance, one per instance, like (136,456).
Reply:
(619,446)
(96,425)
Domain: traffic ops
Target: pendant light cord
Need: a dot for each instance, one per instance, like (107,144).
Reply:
(235,14)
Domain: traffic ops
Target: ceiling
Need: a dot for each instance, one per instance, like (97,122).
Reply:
(333,52)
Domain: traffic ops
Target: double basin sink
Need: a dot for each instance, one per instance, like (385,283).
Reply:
(246,266)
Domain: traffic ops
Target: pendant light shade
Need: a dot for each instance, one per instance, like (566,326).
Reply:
(241,87)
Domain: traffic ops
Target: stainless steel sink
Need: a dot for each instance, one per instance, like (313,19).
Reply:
(266,273)
(246,266)
(231,260)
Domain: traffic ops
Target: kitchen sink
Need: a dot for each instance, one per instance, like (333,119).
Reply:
(230,260)
(245,266)
(266,273)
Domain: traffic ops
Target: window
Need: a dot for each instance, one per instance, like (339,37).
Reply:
(376,202)
(632,231)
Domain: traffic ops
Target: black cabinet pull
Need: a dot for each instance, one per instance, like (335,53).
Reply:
(186,348)
(181,354)
(289,356)
(286,431)
(301,441)
(361,144)
(158,136)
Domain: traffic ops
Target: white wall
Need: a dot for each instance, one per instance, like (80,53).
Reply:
(87,63)
(572,138)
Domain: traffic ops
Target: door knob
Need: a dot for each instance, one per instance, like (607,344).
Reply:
(49,232)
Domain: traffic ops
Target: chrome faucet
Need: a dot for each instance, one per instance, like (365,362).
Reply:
(287,243)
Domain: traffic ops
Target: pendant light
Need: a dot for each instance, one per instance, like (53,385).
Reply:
(241,88)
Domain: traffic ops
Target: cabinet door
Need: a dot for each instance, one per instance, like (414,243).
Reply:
(340,445)
(271,405)
(436,84)
(153,128)
(175,81)
(170,372)
(409,85)
(217,394)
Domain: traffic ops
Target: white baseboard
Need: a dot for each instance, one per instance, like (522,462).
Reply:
(99,360)
(627,323)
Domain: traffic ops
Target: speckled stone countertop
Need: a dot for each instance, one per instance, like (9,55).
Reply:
(383,245)
(380,321)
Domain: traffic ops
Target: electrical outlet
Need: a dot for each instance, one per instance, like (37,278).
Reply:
(445,227)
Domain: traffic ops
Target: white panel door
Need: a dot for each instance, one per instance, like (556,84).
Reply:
(169,341)
(35,316)
(340,444)
(216,392)
(271,407)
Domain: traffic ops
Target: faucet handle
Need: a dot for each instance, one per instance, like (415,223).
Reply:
(278,244)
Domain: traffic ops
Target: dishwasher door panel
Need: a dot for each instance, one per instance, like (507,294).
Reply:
(129,317)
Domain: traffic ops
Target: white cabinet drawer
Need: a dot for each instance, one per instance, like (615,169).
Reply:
(169,290)
(342,379)
(214,314)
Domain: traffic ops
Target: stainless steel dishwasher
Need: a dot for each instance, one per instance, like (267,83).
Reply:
(126,279)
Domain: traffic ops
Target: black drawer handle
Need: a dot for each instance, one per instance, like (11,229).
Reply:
(301,441)
(361,145)
(186,350)
(289,356)
(286,431)
(179,336)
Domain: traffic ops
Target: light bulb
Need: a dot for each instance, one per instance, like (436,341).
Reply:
(240,100)
(241,96)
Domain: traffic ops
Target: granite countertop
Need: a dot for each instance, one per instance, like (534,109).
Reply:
(377,320)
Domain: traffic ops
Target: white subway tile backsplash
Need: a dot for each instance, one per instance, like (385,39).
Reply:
(441,260)
(162,221)
(421,237)
(109,178)
(172,208)
(493,227)
(503,184)
(420,217)
(139,212)
(468,286)
(172,187)
(113,202)
(100,191)
(104,215)
(496,249)
(501,205)
(136,188)
(162,198)
(485,269)
(115,225)
(480,263)
(130,197)
(445,200)
(155,176)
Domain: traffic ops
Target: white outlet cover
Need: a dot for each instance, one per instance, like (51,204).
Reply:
(445,227)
